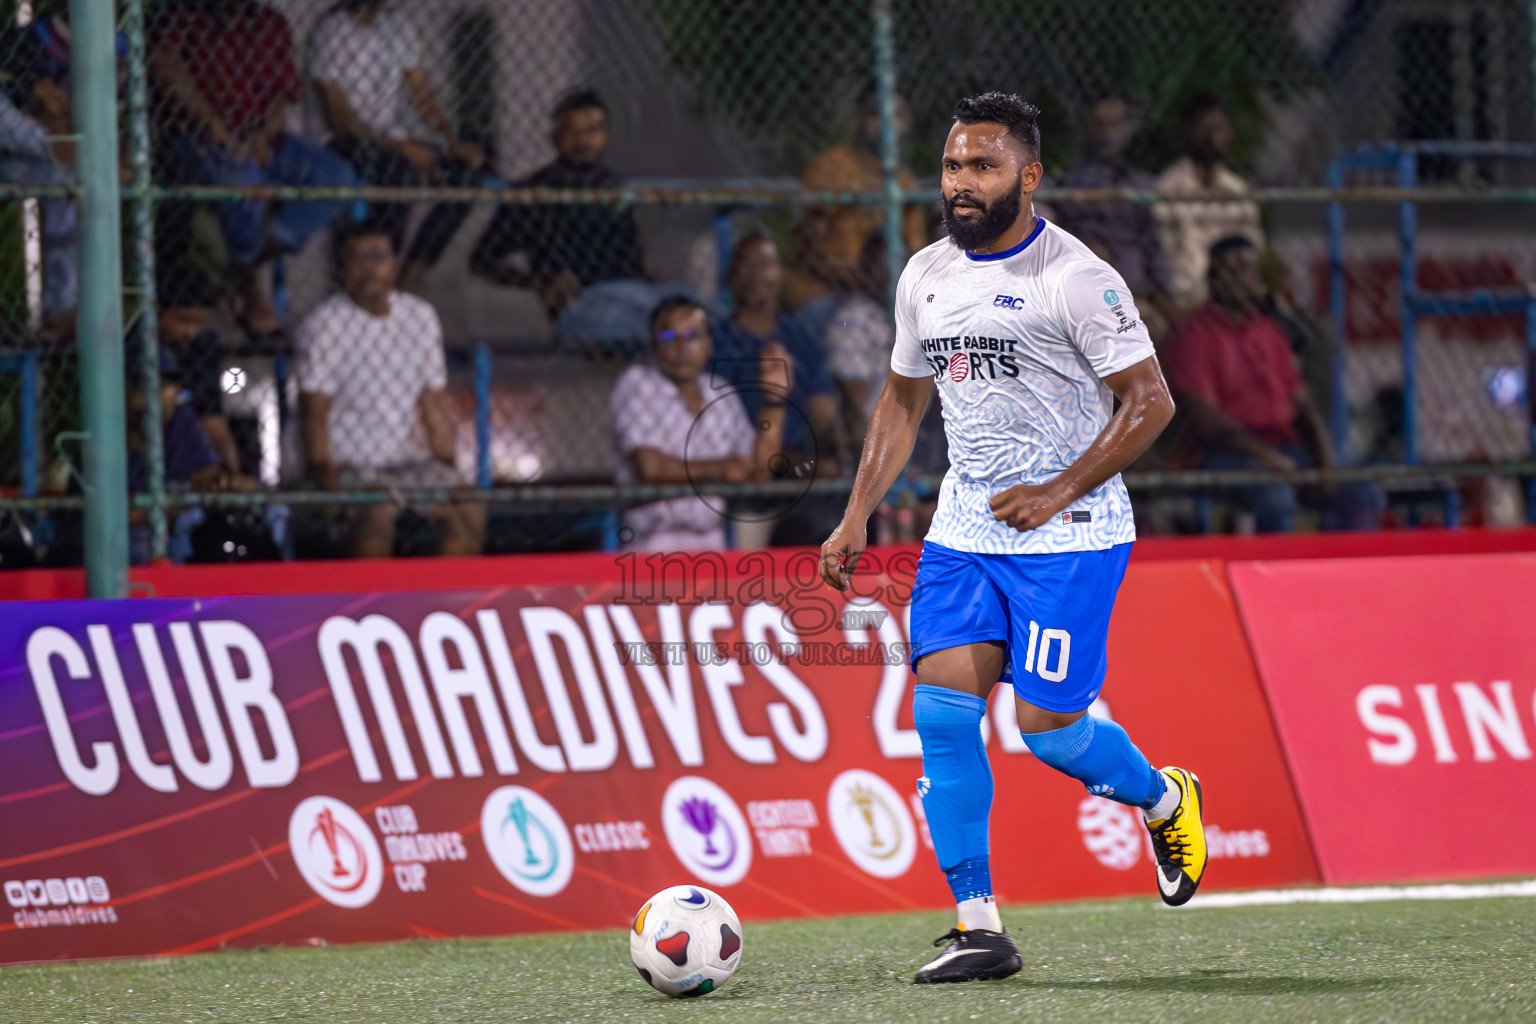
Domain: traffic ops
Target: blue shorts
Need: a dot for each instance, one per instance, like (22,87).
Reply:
(1052,611)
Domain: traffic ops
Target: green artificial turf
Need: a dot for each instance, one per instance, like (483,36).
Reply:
(1084,963)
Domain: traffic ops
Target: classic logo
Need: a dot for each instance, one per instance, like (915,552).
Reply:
(527,840)
(1112,832)
(335,852)
(1008,302)
(706,830)
(1111,297)
(871,823)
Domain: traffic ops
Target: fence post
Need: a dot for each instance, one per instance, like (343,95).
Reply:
(1408,309)
(93,61)
(144,268)
(890,157)
(482,415)
(1338,410)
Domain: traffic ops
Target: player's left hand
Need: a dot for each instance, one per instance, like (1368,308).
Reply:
(1026,506)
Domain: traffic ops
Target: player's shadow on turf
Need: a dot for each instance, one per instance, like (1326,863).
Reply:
(1220,982)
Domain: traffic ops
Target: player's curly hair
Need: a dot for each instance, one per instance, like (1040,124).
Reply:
(1007,109)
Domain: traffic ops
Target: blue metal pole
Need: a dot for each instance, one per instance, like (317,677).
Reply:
(93,64)
(29,452)
(482,415)
(1407,226)
(724,242)
(1530,400)
(280,379)
(1338,308)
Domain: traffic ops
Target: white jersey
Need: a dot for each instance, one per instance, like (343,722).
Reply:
(1018,343)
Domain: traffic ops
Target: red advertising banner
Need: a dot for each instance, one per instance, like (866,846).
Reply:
(180,775)
(1402,689)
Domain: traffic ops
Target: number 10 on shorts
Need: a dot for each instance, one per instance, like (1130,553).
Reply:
(1041,642)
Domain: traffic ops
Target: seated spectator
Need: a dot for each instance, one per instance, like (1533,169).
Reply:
(671,427)
(225,77)
(186,304)
(833,243)
(37,147)
(1123,234)
(373,396)
(1190,229)
(856,335)
(812,431)
(562,248)
(190,461)
(1234,374)
(386,121)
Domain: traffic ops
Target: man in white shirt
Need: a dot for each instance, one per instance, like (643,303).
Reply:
(385,119)
(1029,338)
(373,394)
(1190,229)
(675,422)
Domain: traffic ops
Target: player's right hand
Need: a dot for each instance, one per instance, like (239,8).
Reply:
(840,554)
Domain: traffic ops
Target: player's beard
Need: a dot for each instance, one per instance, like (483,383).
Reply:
(996,217)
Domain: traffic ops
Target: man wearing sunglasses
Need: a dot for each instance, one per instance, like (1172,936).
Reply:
(672,424)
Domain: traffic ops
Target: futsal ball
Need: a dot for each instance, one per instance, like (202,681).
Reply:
(685,941)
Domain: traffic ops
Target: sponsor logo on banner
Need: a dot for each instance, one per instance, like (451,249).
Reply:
(706,830)
(611,836)
(410,850)
(871,823)
(1113,833)
(1117,836)
(783,826)
(527,840)
(50,902)
(335,852)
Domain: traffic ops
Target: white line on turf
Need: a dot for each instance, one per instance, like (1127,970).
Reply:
(1372,894)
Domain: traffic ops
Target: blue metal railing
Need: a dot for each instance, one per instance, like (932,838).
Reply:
(25,365)
(1413,304)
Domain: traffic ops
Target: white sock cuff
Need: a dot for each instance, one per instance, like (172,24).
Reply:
(979,912)
(1169,802)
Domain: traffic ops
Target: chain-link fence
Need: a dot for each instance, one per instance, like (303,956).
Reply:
(404,255)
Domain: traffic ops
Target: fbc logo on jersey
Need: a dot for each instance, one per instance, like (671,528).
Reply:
(1008,302)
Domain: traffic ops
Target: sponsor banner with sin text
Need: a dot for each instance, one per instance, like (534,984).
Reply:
(1404,690)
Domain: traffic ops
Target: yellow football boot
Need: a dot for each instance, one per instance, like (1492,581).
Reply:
(1178,842)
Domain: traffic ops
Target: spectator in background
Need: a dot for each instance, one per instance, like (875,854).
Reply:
(224,75)
(37,147)
(857,338)
(1233,370)
(1190,229)
(812,432)
(190,461)
(386,121)
(833,243)
(1123,234)
(186,304)
(671,427)
(373,396)
(560,249)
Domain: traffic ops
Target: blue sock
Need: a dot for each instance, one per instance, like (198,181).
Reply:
(956,786)
(1098,753)
(970,878)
